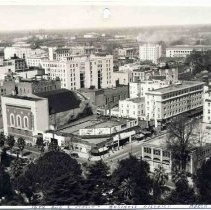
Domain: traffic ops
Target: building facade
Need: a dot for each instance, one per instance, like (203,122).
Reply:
(150,52)
(167,102)
(132,108)
(24,117)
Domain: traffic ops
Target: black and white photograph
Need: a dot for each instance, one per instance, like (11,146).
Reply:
(105,104)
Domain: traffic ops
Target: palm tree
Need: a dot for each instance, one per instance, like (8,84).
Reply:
(127,188)
(160,177)
(21,144)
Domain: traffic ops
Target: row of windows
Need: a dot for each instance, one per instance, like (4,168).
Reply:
(156,152)
(19,121)
(180,92)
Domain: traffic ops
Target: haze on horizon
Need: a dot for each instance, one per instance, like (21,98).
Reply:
(72,16)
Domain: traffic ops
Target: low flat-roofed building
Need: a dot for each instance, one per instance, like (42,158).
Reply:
(155,152)
(96,135)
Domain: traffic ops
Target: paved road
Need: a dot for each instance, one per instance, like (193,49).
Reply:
(123,153)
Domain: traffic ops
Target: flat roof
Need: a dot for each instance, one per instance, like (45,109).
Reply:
(189,46)
(92,122)
(23,97)
(136,100)
(175,87)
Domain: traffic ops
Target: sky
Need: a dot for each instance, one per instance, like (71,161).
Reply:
(29,17)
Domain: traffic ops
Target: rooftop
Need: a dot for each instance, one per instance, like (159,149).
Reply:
(23,97)
(93,122)
(60,100)
(136,100)
(190,47)
(176,87)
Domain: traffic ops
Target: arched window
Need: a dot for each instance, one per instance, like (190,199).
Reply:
(18,120)
(26,122)
(12,119)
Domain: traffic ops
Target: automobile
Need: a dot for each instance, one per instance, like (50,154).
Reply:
(75,155)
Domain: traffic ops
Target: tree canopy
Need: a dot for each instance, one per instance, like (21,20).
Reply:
(46,170)
(179,142)
(132,183)
(203,182)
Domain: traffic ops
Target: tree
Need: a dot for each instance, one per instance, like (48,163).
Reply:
(53,146)
(179,142)
(40,175)
(131,182)
(66,190)
(5,184)
(10,141)
(21,144)
(203,182)
(183,194)
(159,180)
(39,142)
(16,168)
(98,183)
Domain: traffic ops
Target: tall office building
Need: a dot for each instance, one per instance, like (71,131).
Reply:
(150,52)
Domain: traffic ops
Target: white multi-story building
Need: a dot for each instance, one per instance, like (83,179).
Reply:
(132,108)
(21,52)
(184,50)
(165,103)
(68,72)
(100,72)
(81,72)
(35,61)
(139,89)
(150,52)
(206,122)
(207,108)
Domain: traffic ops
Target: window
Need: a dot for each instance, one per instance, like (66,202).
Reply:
(18,120)
(147,150)
(156,152)
(166,154)
(12,119)
(26,122)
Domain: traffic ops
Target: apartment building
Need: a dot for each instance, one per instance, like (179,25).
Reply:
(167,102)
(132,108)
(67,71)
(81,72)
(100,72)
(150,52)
